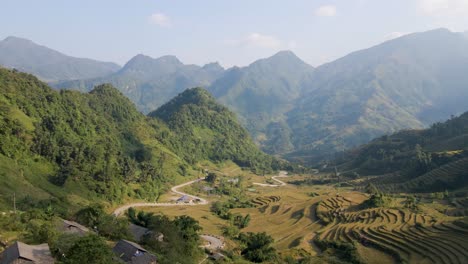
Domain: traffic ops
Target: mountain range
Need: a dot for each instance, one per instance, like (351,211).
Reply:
(304,113)
(47,64)
(149,82)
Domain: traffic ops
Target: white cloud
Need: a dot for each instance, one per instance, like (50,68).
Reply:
(394,35)
(160,19)
(262,41)
(444,8)
(326,11)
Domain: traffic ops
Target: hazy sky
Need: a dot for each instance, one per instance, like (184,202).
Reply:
(234,32)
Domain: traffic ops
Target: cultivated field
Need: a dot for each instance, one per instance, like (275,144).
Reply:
(296,216)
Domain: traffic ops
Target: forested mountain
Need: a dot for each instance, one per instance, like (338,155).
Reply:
(47,64)
(308,114)
(262,93)
(149,82)
(208,130)
(66,147)
(409,82)
(428,160)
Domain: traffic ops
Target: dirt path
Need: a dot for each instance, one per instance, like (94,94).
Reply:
(214,243)
(120,210)
(282,174)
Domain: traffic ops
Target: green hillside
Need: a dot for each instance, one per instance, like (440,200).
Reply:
(78,147)
(74,148)
(208,130)
(429,160)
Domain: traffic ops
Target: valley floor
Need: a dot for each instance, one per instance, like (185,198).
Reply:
(301,217)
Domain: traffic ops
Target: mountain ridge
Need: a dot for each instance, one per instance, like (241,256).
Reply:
(48,64)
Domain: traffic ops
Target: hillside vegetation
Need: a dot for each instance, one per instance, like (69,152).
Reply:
(72,148)
(429,160)
(207,130)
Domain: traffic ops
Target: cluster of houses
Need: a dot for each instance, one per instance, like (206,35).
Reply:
(125,251)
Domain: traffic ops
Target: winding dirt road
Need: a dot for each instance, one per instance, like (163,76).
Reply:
(214,243)
(282,174)
(120,210)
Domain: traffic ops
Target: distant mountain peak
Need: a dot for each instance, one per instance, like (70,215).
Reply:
(16,39)
(285,53)
(48,64)
(169,59)
(213,66)
(285,57)
(144,62)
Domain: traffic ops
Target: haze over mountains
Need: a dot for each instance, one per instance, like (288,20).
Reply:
(149,82)
(47,64)
(301,112)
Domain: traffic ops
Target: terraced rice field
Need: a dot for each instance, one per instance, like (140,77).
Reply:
(265,200)
(407,236)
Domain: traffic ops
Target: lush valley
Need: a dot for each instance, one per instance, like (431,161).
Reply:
(190,183)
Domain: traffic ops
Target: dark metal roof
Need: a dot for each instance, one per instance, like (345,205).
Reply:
(23,253)
(132,253)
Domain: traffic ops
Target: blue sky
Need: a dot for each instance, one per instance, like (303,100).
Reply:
(230,32)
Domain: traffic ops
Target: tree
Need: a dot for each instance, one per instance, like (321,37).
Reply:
(371,189)
(258,247)
(211,177)
(91,215)
(188,226)
(89,249)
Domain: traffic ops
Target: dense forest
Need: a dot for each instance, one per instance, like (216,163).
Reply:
(208,130)
(73,148)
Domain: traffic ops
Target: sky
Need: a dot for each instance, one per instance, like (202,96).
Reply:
(229,32)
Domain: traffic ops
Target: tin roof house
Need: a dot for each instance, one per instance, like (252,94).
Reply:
(20,253)
(132,253)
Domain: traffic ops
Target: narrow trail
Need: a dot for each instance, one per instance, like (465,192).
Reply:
(282,174)
(120,210)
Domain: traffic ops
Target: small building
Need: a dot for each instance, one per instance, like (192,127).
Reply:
(72,228)
(20,253)
(138,231)
(185,199)
(132,253)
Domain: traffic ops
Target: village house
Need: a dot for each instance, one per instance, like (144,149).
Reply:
(185,199)
(132,253)
(138,232)
(71,227)
(20,253)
